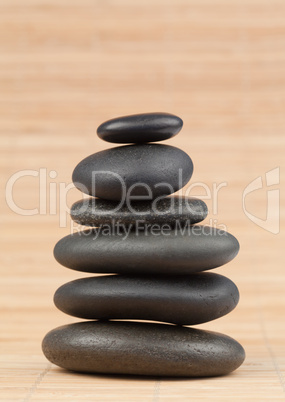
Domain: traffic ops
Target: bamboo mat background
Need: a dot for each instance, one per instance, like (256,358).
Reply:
(66,66)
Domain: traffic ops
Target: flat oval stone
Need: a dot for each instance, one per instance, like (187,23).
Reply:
(137,128)
(142,349)
(175,251)
(164,211)
(143,171)
(183,300)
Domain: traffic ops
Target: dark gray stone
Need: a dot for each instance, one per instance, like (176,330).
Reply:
(166,211)
(142,349)
(146,127)
(143,171)
(199,248)
(182,300)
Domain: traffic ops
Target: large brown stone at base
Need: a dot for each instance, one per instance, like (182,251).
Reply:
(142,349)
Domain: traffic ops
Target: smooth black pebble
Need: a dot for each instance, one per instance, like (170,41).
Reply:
(137,128)
(196,249)
(143,171)
(142,349)
(168,211)
(182,300)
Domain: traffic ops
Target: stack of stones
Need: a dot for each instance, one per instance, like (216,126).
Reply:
(153,245)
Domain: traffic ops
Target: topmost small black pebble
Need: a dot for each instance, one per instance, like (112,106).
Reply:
(140,128)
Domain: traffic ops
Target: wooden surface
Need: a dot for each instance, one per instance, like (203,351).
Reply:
(66,66)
